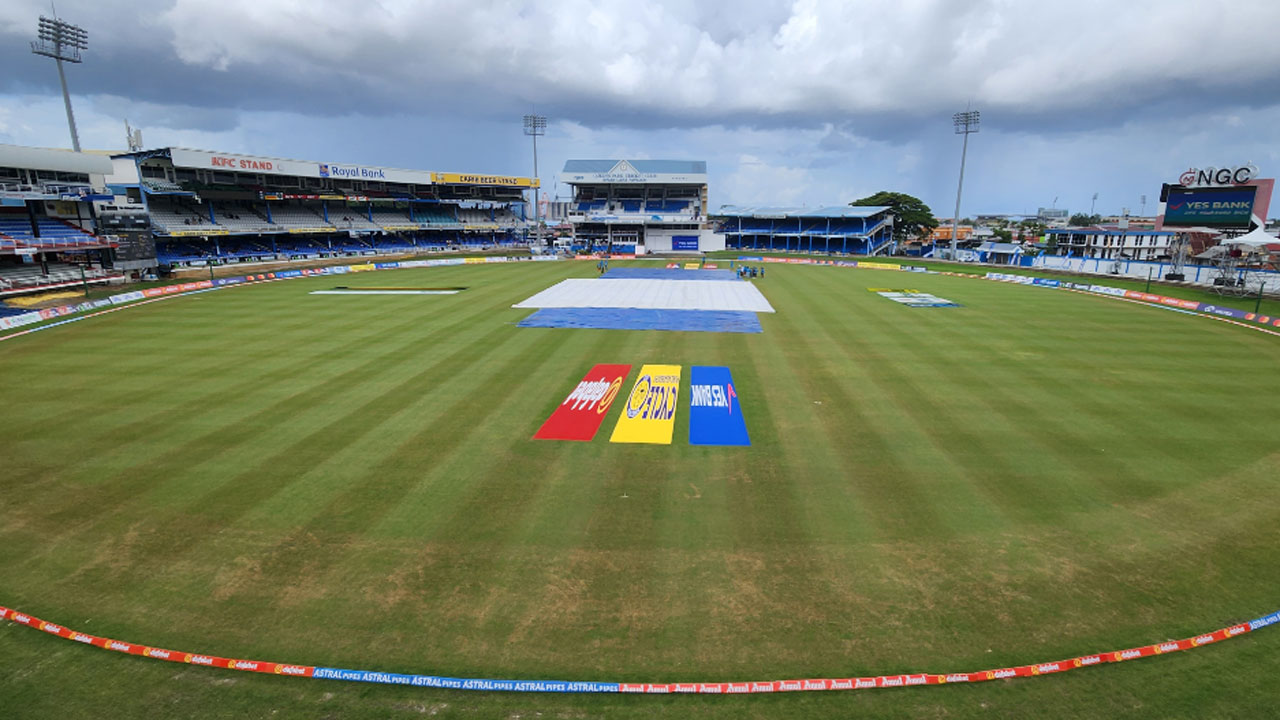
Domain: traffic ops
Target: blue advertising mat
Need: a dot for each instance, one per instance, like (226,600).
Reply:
(729,321)
(668,274)
(715,417)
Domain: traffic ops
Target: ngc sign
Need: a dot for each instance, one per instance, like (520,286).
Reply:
(1210,176)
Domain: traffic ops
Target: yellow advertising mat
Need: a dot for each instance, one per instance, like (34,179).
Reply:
(649,415)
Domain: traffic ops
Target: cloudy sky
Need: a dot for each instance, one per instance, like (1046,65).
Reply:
(811,102)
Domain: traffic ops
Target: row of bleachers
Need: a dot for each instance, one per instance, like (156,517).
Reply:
(505,216)
(178,217)
(637,206)
(385,217)
(53,232)
(296,216)
(30,275)
(258,218)
(483,216)
(184,251)
(475,216)
(667,206)
(239,218)
(436,215)
(349,218)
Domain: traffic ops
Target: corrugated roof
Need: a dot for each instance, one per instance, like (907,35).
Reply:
(33,158)
(660,167)
(835,211)
(998,248)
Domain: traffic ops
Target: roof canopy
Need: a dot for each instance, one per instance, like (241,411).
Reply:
(635,172)
(254,164)
(833,212)
(32,158)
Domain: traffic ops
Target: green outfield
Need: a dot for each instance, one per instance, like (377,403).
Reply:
(350,481)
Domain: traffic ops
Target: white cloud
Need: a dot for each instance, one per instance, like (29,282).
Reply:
(812,101)
(825,57)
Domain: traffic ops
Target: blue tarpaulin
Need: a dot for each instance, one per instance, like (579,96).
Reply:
(730,321)
(668,274)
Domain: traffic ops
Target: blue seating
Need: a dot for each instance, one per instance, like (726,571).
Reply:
(53,233)
(667,206)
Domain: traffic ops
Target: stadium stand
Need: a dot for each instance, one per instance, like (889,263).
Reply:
(53,233)
(173,216)
(157,185)
(350,218)
(241,218)
(391,217)
(15,277)
(437,215)
(475,216)
(668,206)
(296,216)
(861,230)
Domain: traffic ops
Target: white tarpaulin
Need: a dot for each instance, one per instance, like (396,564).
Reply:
(1257,238)
(654,294)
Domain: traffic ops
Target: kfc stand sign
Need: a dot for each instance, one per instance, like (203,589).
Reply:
(1217,177)
(226,162)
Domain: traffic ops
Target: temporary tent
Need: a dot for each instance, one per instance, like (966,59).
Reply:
(1256,239)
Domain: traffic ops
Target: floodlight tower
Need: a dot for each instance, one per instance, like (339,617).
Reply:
(965,122)
(63,42)
(535,125)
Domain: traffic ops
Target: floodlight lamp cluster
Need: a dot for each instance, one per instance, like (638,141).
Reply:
(535,125)
(60,40)
(966,122)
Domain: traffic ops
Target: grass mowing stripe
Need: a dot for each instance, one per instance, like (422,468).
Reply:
(811,492)
(898,502)
(784,570)
(127,484)
(242,493)
(919,412)
(256,382)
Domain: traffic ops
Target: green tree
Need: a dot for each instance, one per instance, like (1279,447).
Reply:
(1080,219)
(912,219)
(1003,235)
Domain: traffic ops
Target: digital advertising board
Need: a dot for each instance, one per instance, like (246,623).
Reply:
(1218,207)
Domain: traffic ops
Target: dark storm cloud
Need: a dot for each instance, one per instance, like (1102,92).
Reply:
(893,70)
(821,97)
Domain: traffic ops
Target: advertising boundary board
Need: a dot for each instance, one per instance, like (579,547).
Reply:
(1205,310)
(1202,309)
(123,301)
(712,688)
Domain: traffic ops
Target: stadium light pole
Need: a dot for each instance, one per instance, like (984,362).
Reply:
(965,123)
(535,125)
(63,42)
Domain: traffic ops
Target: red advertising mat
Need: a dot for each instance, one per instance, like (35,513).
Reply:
(580,415)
